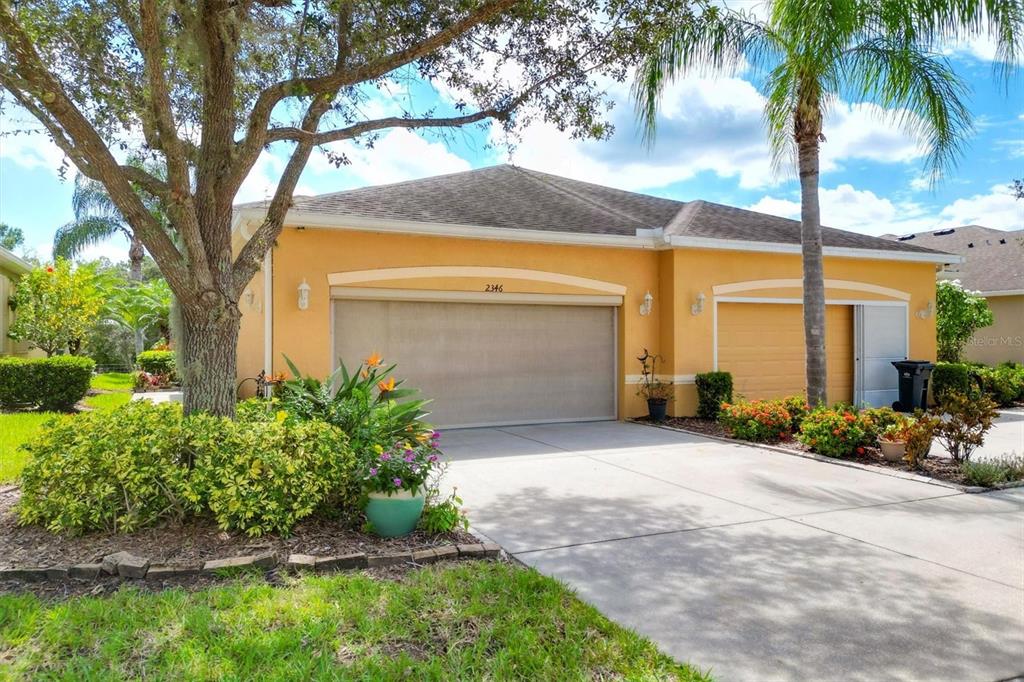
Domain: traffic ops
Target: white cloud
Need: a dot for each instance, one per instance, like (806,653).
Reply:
(998,209)
(850,209)
(397,156)
(864,211)
(26,145)
(706,125)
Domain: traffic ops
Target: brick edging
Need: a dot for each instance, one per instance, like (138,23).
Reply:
(132,567)
(884,471)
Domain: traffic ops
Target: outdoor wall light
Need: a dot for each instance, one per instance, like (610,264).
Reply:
(926,312)
(698,307)
(645,307)
(303,295)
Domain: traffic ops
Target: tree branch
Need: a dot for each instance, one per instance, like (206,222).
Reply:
(299,135)
(79,136)
(341,76)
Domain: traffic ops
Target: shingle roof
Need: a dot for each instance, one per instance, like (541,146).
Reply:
(994,258)
(516,198)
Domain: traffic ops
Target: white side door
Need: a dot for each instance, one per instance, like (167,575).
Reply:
(880,338)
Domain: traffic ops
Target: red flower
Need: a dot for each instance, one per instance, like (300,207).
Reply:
(860,451)
(49,268)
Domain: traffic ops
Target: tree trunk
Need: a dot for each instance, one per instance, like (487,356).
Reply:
(136,254)
(807,138)
(207,355)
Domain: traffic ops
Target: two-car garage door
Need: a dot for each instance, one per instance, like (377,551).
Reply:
(487,364)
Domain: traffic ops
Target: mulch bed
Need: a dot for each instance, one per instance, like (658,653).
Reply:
(193,543)
(939,468)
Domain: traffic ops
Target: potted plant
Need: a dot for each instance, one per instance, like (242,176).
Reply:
(395,481)
(657,392)
(893,441)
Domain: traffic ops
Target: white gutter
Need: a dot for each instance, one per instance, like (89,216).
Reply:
(684,241)
(653,239)
(14,263)
(362,223)
(1007,292)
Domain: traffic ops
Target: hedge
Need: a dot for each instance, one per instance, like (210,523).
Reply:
(713,389)
(52,384)
(950,377)
(156,361)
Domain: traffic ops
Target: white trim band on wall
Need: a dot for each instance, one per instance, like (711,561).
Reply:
(668,378)
(760,284)
(486,272)
(429,295)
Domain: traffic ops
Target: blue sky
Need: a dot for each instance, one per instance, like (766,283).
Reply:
(710,146)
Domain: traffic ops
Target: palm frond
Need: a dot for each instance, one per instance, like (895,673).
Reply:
(934,23)
(926,97)
(73,238)
(713,41)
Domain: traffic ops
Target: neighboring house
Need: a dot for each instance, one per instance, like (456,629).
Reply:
(512,296)
(993,265)
(11,269)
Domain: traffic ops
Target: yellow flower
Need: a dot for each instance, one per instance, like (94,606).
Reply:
(281,415)
(375,360)
(378,448)
(386,386)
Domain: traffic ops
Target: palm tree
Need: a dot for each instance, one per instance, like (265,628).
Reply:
(139,307)
(809,54)
(96,219)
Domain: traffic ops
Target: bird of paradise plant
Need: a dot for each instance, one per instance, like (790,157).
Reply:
(368,404)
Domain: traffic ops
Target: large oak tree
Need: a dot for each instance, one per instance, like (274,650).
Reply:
(204,87)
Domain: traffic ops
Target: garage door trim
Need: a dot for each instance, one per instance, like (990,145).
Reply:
(798,301)
(450,296)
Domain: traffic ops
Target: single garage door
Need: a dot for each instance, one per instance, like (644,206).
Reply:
(489,364)
(762,345)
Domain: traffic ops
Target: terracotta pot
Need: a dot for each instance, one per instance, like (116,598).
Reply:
(893,451)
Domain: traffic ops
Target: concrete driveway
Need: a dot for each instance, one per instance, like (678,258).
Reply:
(759,565)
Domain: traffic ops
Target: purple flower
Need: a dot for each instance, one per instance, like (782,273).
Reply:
(410,457)
(432,458)
(385,456)
(436,435)
(397,482)
(373,471)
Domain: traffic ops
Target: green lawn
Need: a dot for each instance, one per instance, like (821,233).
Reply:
(114,381)
(468,622)
(17,427)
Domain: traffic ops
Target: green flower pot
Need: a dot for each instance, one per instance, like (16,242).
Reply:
(394,514)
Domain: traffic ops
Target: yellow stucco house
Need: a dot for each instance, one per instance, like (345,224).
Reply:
(993,265)
(11,269)
(513,296)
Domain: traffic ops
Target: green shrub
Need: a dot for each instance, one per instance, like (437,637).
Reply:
(798,408)
(143,463)
(950,377)
(875,420)
(1003,384)
(713,389)
(965,422)
(156,362)
(53,384)
(832,432)
(63,381)
(18,384)
(266,476)
(760,421)
(991,472)
(115,471)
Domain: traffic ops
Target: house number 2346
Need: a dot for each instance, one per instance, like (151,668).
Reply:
(494,288)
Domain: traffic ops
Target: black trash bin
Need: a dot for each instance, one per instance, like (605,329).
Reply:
(914,375)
